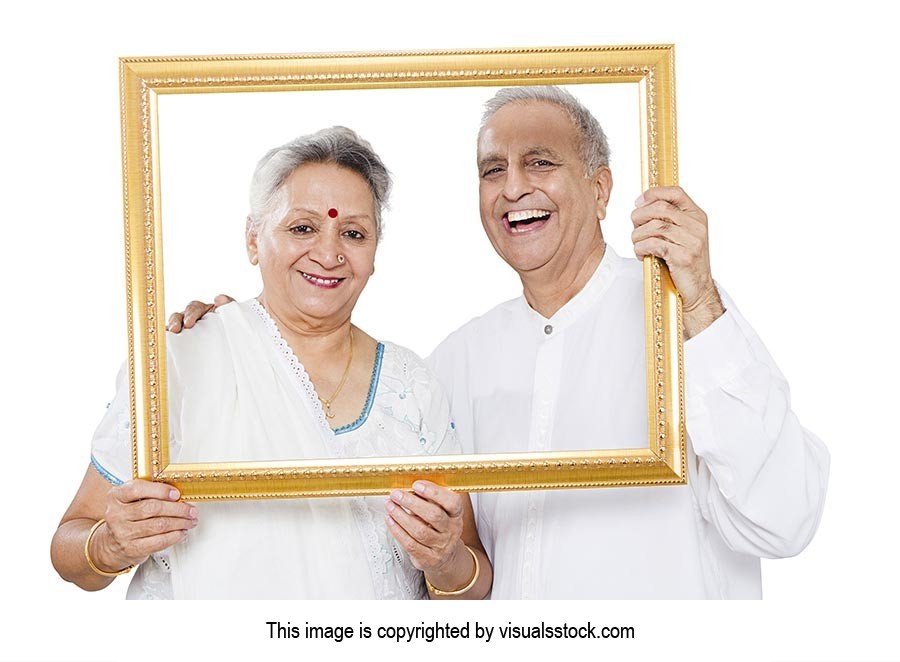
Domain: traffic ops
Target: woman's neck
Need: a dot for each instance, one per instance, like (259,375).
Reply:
(312,339)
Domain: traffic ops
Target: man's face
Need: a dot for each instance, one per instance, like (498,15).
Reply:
(537,205)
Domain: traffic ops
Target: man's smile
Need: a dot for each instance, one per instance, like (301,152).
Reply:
(521,221)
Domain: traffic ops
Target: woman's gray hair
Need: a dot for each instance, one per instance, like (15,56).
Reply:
(594,147)
(338,145)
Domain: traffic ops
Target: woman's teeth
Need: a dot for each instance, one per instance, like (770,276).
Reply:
(325,282)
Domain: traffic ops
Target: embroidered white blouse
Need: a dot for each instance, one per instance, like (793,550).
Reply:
(520,382)
(406,413)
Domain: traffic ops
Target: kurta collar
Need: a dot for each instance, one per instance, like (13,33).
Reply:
(581,302)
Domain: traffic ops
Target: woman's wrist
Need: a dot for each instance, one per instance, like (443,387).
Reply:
(457,576)
(98,555)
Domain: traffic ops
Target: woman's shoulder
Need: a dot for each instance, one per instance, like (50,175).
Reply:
(402,362)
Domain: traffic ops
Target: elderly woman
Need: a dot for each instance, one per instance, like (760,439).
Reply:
(286,375)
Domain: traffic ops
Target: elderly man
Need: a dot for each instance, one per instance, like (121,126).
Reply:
(562,368)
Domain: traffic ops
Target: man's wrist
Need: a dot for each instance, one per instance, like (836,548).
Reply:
(703,312)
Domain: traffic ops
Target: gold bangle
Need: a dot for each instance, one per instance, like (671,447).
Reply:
(87,554)
(465,588)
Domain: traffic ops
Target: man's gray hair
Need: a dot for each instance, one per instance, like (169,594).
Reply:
(338,145)
(594,147)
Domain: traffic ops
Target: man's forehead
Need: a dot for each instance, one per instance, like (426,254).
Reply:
(529,127)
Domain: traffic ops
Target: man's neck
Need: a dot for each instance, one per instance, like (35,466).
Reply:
(547,291)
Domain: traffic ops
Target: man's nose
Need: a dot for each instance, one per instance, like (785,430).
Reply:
(516,184)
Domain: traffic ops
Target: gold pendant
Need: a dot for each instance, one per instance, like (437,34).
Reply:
(328,413)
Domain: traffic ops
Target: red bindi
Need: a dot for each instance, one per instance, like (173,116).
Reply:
(332,212)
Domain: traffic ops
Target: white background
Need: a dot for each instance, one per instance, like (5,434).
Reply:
(786,138)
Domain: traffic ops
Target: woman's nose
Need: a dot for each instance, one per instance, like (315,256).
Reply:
(326,250)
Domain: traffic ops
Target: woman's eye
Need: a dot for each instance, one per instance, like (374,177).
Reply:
(354,234)
(300,229)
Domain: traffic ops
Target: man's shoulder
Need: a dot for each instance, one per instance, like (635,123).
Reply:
(487,325)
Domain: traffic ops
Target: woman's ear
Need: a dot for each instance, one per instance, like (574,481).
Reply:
(252,237)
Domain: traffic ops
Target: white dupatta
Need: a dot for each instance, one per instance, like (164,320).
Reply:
(237,393)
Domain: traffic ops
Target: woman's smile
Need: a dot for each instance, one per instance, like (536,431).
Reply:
(322,281)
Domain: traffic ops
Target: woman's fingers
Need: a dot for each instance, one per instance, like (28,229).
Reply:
(422,531)
(429,512)
(154,508)
(135,490)
(449,500)
(418,553)
(143,517)
(428,523)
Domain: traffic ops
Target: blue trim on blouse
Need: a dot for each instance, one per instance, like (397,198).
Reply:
(103,472)
(373,386)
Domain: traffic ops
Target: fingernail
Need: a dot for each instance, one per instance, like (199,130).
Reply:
(390,505)
(173,495)
(419,487)
(192,524)
(193,512)
(639,201)
(397,495)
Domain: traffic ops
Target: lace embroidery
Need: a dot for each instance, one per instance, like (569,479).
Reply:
(303,382)
(379,563)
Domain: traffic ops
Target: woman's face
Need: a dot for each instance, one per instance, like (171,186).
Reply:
(317,253)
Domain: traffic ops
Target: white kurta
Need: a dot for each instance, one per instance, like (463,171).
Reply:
(237,392)
(520,382)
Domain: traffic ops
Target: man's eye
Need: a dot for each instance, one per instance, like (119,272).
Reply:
(542,163)
(496,170)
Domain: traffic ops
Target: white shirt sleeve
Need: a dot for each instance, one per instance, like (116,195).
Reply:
(111,444)
(759,478)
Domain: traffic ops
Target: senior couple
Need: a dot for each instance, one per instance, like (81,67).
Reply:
(287,375)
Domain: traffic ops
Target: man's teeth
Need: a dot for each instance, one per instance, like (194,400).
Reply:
(321,281)
(527,214)
(526,217)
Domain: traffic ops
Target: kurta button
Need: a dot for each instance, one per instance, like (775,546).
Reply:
(548,329)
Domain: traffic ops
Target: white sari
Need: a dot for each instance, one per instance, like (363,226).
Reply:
(238,393)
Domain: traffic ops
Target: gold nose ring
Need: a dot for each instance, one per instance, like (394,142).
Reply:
(340,259)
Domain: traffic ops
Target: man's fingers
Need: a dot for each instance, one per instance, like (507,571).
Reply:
(135,490)
(222,299)
(674,195)
(194,311)
(662,230)
(449,500)
(176,323)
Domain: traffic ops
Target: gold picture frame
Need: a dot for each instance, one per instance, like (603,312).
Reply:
(662,461)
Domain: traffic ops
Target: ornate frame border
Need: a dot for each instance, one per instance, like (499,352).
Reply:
(142,80)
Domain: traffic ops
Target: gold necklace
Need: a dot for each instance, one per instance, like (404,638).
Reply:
(326,402)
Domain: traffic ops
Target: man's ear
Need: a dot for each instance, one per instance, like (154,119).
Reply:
(602,183)
(252,237)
